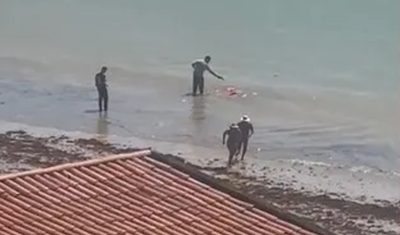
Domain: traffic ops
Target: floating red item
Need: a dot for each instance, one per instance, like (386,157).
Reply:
(233,91)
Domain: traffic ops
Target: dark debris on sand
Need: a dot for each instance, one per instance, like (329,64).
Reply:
(327,210)
(20,151)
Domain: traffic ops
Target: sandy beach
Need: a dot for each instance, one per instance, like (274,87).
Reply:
(21,151)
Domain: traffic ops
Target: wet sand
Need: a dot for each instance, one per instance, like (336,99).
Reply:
(20,151)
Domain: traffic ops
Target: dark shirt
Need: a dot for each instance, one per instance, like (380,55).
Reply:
(100,80)
(234,135)
(245,128)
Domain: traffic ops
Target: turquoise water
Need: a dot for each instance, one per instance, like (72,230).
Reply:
(331,44)
(321,77)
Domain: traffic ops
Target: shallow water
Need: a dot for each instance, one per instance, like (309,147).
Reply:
(319,78)
(345,158)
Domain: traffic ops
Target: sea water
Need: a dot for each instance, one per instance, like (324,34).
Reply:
(319,79)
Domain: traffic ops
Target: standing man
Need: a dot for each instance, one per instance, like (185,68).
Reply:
(246,128)
(234,137)
(101,85)
(199,66)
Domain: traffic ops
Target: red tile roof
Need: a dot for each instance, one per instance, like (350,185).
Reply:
(125,194)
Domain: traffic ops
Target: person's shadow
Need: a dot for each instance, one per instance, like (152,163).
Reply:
(197,112)
(102,126)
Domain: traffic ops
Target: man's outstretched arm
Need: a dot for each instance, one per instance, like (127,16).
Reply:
(213,73)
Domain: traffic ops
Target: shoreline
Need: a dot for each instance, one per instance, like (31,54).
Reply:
(21,151)
(357,182)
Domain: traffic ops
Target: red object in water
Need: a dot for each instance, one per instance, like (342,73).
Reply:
(232,91)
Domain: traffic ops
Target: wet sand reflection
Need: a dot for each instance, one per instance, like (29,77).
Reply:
(102,126)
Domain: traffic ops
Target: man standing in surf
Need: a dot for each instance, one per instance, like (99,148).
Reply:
(199,66)
(247,130)
(234,137)
(101,86)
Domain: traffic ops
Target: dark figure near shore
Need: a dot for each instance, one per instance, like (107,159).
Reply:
(246,128)
(234,137)
(199,66)
(101,86)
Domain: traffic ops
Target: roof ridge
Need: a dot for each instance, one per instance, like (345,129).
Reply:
(108,158)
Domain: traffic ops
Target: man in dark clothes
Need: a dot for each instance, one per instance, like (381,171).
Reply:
(246,128)
(199,66)
(234,137)
(101,85)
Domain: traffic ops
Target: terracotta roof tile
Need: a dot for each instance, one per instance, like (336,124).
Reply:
(34,183)
(6,220)
(122,225)
(22,230)
(163,175)
(7,189)
(7,231)
(136,169)
(125,194)
(77,176)
(26,185)
(80,231)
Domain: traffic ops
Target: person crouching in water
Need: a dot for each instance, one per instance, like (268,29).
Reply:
(246,128)
(234,137)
